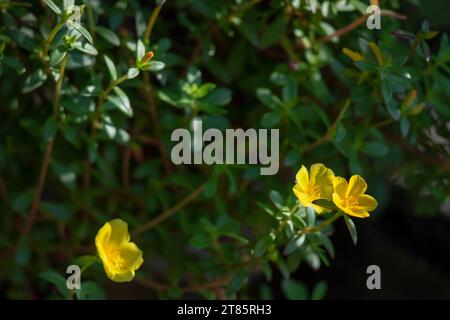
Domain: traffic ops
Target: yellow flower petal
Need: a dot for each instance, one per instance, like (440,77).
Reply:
(119,231)
(122,277)
(131,255)
(340,186)
(302,179)
(357,213)
(356,186)
(322,177)
(367,203)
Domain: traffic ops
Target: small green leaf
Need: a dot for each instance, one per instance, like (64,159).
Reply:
(83,31)
(238,282)
(375,149)
(34,81)
(262,245)
(111,68)
(108,35)
(153,66)
(326,243)
(294,290)
(55,278)
(57,56)
(125,102)
(295,243)
(218,97)
(85,261)
(53,6)
(276,198)
(319,291)
(324,203)
(310,216)
(351,228)
(132,73)
(86,48)
(404,126)
(140,50)
(268,98)
(50,128)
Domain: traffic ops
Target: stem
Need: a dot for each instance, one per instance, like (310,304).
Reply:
(48,153)
(330,130)
(91,24)
(101,101)
(412,50)
(49,40)
(166,214)
(324,224)
(95,120)
(152,20)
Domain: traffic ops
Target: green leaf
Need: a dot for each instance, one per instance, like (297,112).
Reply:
(83,31)
(108,35)
(86,48)
(294,290)
(319,291)
(57,56)
(218,97)
(50,128)
(59,211)
(203,90)
(295,243)
(282,266)
(238,282)
(262,245)
(125,105)
(351,228)
(276,198)
(140,50)
(22,201)
(111,68)
(132,73)
(310,216)
(273,32)
(53,6)
(404,126)
(326,243)
(15,64)
(324,203)
(85,261)
(375,149)
(90,291)
(273,118)
(268,98)
(153,66)
(55,278)
(34,81)
(393,110)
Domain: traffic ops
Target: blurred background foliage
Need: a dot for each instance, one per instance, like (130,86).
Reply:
(103,126)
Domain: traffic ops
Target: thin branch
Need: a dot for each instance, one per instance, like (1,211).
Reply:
(152,20)
(194,288)
(48,153)
(168,213)
(344,30)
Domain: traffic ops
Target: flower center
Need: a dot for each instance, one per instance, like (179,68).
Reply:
(114,256)
(313,192)
(350,202)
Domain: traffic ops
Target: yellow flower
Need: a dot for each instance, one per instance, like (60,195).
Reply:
(119,256)
(317,184)
(350,197)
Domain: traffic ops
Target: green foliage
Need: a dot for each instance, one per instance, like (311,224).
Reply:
(88,107)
